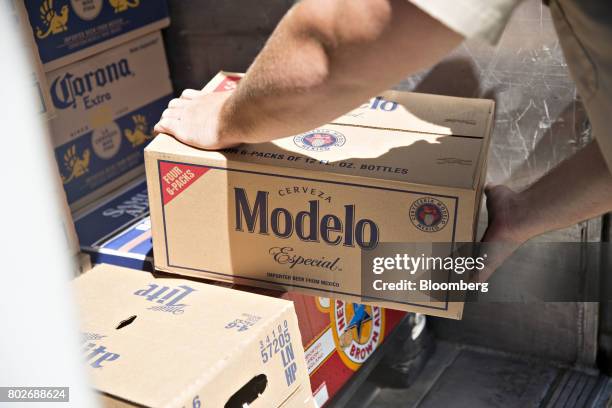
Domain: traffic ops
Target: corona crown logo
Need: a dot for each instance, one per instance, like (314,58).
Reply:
(54,22)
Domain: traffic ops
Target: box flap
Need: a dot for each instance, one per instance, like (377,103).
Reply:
(422,113)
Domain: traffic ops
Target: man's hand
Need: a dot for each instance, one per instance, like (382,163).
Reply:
(196,119)
(576,190)
(504,235)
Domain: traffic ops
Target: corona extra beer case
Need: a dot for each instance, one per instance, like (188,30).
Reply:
(295,214)
(66,31)
(106,107)
(161,342)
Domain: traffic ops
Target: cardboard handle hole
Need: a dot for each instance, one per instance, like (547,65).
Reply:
(248,393)
(126,322)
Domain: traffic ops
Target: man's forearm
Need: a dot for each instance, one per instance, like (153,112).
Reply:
(325,58)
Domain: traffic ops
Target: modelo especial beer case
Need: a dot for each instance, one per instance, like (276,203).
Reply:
(295,213)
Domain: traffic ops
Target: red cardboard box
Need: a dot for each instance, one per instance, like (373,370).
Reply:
(338,338)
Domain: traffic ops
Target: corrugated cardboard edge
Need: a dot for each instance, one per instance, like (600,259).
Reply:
(112,401)
(83,262)
(480,183)
(484,149)
(301,391)
(72,240)
(37,68)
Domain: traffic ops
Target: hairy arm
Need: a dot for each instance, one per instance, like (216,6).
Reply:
(324,58)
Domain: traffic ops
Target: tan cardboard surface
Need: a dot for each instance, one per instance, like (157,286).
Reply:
(245,214)
(187,341)
(404,136)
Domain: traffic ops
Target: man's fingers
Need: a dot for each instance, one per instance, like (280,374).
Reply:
(190,94)
(177,103)
(166,125)
(171,113)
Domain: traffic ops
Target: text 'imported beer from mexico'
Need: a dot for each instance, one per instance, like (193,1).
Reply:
(296,213)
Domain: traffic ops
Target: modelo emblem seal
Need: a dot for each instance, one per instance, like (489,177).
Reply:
(319,140)
(429,214)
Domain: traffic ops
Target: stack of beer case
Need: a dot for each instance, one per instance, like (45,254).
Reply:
(102,75)
(428,151)
(117,230)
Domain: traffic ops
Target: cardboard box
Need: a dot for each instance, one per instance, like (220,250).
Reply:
(338,338)
(295,214)
(66,31)
(64,217)
(117,229)
(38,76)
(83,262)
(106,108)
(161,342)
